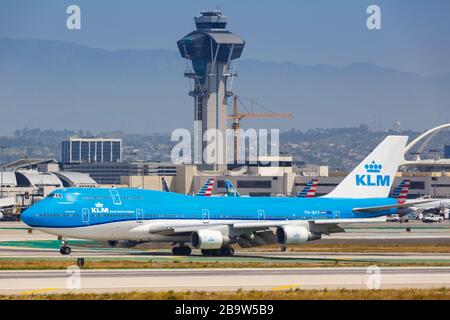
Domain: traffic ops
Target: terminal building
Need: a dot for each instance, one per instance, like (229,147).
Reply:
(91,150)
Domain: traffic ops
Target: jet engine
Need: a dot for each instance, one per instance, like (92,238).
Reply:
(208,239)
(288,235)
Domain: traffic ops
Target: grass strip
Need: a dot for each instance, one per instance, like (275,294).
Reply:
(294,294)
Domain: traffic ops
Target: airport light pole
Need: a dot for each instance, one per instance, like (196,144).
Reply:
(436,158)
(2,148)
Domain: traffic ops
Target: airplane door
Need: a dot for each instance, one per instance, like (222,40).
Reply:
(115,197)
(139,215)
(261,215)
(205,216)
(337,214)
(85,215)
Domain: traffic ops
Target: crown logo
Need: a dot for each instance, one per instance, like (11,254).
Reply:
(373,167)
(99,205)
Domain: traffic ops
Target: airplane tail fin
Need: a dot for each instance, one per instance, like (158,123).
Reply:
(207,189)
(231,190)
(165,187)
(401,192)
(310,189)
(373,177)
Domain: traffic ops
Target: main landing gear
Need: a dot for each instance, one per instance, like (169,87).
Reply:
(182,250)
(65,249)
(222,252)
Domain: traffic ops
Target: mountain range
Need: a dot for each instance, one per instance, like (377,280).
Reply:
(61,85)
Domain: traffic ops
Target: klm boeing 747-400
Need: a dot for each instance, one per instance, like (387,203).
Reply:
(212,224)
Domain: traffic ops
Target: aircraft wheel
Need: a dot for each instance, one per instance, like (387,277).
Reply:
(65,250)
(224,252)
(188,251)
(209,252)
(181,251)
(229,251)
(176,251)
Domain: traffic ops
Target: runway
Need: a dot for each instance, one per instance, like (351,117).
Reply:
(17,243)
(102,281)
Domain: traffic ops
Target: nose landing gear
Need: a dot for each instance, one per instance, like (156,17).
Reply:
(65,249)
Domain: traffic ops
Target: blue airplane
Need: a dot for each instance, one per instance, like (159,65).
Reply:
(212,224)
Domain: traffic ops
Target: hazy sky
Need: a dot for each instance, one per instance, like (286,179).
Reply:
(414,37)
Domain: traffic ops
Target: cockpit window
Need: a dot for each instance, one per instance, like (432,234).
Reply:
(55,195)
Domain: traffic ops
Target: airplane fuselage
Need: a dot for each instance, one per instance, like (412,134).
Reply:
(132,214)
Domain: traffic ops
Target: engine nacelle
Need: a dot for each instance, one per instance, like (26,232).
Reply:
(208,239)
(287,235)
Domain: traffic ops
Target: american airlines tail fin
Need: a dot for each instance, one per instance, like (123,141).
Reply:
(207,189)
(165,187)
(373,177)
(310,189)
(401,192)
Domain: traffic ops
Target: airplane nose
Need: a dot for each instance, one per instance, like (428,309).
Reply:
(29,216)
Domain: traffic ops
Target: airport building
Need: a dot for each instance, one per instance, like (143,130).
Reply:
(111,173)
(210,51)
(91,150)
(26,181)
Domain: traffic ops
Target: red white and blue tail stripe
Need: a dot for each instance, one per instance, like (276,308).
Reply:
(401,192)
(207,189)
(310,189)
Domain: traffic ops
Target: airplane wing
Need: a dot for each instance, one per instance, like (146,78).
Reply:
(393,206)
(325,226)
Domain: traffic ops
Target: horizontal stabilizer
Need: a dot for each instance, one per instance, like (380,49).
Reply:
(352,220)
(393,206)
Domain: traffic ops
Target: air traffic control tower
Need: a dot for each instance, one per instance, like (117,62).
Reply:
(210,51)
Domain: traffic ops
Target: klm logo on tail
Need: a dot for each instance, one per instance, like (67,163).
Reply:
(373,178)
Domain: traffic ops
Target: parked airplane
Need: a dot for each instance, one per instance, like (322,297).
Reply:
(413,212)
(401,191)
(165,187)
(212,224)
(205,190)
(6,204)
(231,189)
(310,189)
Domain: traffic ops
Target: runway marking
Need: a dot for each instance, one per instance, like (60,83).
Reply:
(31,292)
(285,287)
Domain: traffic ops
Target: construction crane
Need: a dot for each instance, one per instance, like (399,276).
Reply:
(238,116)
